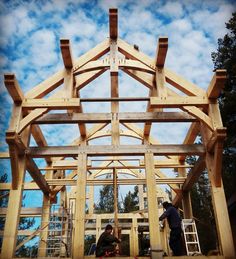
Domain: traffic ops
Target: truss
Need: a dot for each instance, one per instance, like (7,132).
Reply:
(141,164)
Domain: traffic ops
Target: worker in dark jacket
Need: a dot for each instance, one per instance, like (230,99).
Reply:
(174,222)
(106,243)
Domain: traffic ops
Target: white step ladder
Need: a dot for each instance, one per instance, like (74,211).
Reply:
(191,237)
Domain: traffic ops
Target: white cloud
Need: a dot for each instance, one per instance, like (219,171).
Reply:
(172,9)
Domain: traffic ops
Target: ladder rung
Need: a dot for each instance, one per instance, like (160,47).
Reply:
(191,242)
(190,233)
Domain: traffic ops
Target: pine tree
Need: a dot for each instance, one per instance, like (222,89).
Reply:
(131,201)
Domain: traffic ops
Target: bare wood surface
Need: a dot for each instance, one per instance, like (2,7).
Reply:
(104,150)
(13,88)
(66,53)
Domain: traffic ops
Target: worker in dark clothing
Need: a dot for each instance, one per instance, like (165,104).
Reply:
(106,243)
(174,222)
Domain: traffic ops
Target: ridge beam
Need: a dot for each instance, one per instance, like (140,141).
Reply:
(161,52)
(113,21)
(217,83)
(13,88)
(66,53)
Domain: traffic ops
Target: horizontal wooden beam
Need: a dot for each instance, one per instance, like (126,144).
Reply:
(66,53)
(218,135)
(106,150)
(72,182)
(161,52)
(217,83)
(24,211)
(176,102)
(113,22)
(62,118)
(13,88)
(51,104)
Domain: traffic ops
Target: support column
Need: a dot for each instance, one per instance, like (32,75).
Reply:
(153,214)
(213,163)
(134,249)
(15,201)
(140,197)
(186,201)
(45,220)
(79,225)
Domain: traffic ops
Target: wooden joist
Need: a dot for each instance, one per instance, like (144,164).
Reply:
(37,176)
(176,102)
(217,83)
(161,52)
(113,22)
(64,118)
(66,53)
(13,88)
(72,182)
(51,104)
(104,150)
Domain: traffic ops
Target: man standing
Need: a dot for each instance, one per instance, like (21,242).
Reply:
(106,243)
(174,222)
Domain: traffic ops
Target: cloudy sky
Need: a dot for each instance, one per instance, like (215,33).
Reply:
(30,39)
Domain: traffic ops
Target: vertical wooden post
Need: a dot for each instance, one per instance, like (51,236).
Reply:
(98,227)
(217,191)
(140,197)
(44,220)
(134,238)
(91,199)
(79,225)
(186,201)
(14,205)
(153,214)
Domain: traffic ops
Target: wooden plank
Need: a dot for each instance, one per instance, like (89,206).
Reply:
(51,104)
(182,84)
(93,54)
(13,88)
(40,139)
(131,53)
(113,22)
(13,213)
(140,76)
(176,102)
(47,85)
(106,150)
(37,176)
(4,155)
(78,244)
(86,78)
(161,52)
(217,83)
(131,181)
(153,216)
(203,117)
(66,53)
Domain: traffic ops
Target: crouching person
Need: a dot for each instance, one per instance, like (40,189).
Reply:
(106,244)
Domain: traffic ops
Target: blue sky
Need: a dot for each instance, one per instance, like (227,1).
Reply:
(30,39)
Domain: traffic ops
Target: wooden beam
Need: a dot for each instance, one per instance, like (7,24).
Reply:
(66,53)
(182,84)
(161,52)
(131,181)
(37,176)
(51,104)
(218,135)
(152,202)
(106,150)
(176,102)
(13,88)
(113,21)
(217,83)
(47,85)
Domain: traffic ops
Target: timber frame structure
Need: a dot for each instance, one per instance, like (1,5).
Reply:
(193,104)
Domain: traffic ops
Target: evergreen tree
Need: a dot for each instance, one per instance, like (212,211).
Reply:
(106,200)
(131,201)
(225,58)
